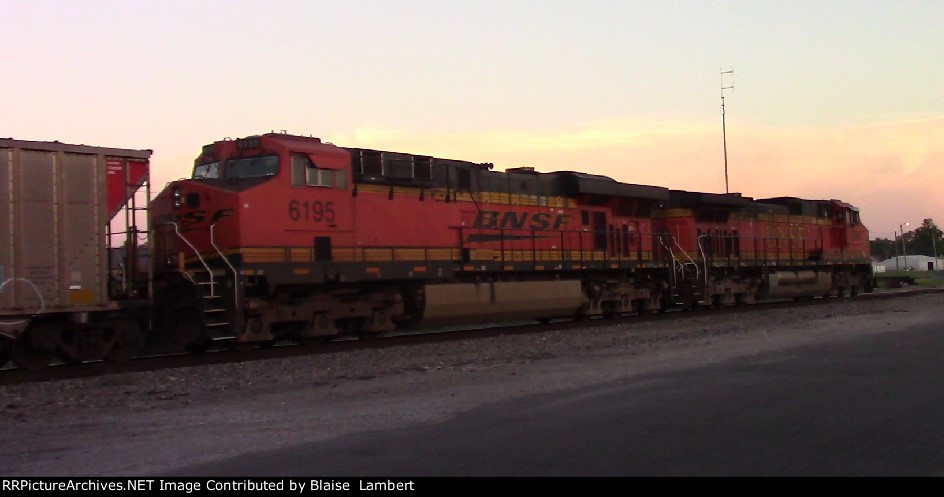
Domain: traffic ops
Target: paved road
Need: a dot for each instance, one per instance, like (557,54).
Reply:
(869,406)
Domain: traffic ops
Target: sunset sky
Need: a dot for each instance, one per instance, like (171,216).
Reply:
(832,99)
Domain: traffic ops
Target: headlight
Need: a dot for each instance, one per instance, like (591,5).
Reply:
(178,197)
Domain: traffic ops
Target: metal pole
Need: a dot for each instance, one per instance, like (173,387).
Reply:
(724,139)
(934,244)
(897,267)
(724,134)
(904,248)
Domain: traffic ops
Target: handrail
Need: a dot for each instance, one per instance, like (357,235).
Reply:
(675,262)
(704,260)
(226,260)
(195,251)
(690,260)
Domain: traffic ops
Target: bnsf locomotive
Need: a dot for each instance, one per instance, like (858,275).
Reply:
(285,236)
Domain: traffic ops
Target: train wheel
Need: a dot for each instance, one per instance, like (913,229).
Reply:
(362,334)
(67,357)
(242,346)
(4,352)
(692,303)
(186,325)
(68,349)
(581,313)
(665,302)
(128,340)
(28,357)
(853,290)
(608,309)
(716,301)
(199,346)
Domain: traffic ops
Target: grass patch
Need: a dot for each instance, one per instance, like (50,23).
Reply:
(894,279)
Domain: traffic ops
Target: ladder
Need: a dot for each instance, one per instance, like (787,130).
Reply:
(214,310)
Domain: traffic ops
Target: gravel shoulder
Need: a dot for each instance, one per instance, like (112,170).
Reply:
(154,422)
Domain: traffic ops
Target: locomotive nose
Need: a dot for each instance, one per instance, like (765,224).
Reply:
(188,219)
(191,199)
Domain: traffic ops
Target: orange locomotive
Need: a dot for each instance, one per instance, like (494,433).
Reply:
(278,235)
(729,249)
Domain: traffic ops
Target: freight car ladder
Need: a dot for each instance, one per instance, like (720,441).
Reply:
(124,245)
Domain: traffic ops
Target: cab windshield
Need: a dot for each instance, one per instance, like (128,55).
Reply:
(207,171)
(252,167)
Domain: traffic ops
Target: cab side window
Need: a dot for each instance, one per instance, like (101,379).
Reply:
(307,173)
(854,218)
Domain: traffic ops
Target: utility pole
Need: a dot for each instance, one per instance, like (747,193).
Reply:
(724,134)
(897,266)
(904,249)
(934,243)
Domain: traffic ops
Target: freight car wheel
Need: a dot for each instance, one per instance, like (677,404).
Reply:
(127,342)
(4,352)
(28,357)
(68,351)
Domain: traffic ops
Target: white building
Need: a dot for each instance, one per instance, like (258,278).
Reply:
(912,263)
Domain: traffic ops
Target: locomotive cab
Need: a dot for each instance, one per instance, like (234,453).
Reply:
(215,234)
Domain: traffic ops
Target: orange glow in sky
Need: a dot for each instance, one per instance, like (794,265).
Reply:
(832,99)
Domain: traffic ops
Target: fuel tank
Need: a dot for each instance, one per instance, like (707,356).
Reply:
(798,283)
(501,301)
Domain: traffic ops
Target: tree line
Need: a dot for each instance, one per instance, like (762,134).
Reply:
(921,241)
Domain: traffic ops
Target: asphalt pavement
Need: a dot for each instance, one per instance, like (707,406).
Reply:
(872,405)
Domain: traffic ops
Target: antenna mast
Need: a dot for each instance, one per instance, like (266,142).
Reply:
(724,134)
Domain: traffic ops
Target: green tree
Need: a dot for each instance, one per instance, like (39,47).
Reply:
(882,248)
(924,239)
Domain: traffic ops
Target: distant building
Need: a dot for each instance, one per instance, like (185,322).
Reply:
(912,263)
(119,259)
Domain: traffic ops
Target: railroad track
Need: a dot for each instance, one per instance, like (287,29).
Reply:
(56,372)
